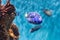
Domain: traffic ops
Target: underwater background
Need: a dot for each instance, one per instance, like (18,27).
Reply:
(50,27)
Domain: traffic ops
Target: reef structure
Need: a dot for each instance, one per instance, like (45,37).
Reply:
(8,31)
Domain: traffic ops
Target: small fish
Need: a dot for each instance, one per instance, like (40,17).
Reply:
(47,12)
(33,18)
(35,29)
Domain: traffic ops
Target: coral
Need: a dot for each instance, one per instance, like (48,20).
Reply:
(3,33)
(7,15)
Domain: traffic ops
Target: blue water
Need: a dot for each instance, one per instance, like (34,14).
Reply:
(50,26)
